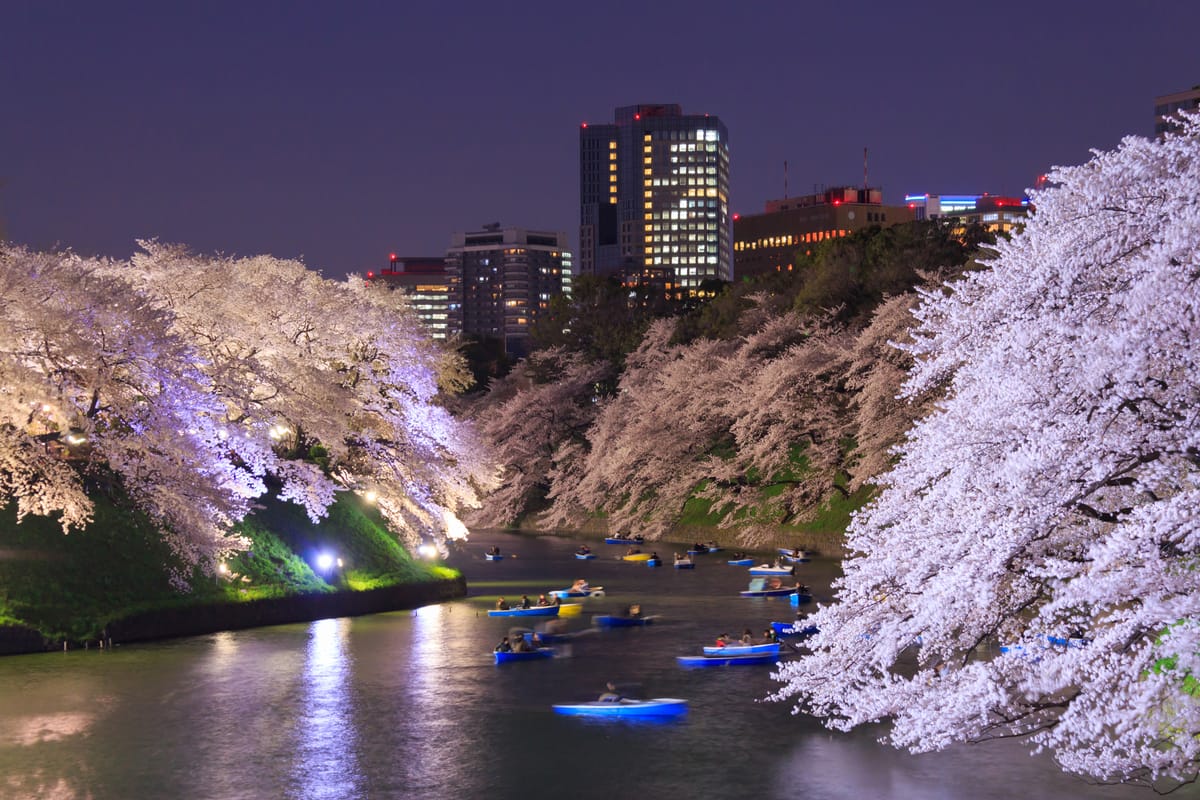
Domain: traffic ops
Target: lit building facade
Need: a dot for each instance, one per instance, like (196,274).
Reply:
(501,281)
(768,242)
(423,279)
(654,193)
(994,213)
(1168,106)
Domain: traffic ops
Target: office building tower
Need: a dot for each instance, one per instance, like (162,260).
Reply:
(1168,106)
(423,279)
(768,242)
(501,281)
(654,193)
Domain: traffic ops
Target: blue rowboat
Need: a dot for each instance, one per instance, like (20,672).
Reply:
(726,661)
(767,569)
(741,562)
(684,563)
(1065,641)
(585,556)
(800,598)
(654,562)
(624,540)
(607,621)
(524,655)
(795,554)
(742,649)
(533,611)
(591,591)
(492,556)
(658,707)
(785,629)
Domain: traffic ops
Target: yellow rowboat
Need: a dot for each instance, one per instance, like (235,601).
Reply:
(570,609)
(637,557)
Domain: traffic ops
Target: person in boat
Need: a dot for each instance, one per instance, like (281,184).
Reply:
(556,600)
(723,640)
(505,646)
(633,550)
(501,604)
(654,555)
(542,601)
(581,585)
(611,695)
(747,637)
(802,589)
(774,583)
(495,551)
(584,550)
(521,645)
(525,601)
(769,635)
(633,611)
(738,556)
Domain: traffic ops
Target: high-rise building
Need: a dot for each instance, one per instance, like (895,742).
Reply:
(1168,106)
(654,193)
(768,242)
(501,281)
(424,280)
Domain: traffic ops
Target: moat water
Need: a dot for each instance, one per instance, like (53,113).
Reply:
(410,705)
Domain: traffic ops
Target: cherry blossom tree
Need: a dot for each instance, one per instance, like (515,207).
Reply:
(544,405)
(1053,492)
(305,362)
(94,385)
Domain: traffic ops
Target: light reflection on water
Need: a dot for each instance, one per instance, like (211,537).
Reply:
(326,762)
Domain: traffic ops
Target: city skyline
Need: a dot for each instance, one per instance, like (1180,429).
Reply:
(295,131)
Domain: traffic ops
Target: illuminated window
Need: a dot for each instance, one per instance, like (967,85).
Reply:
(612,145)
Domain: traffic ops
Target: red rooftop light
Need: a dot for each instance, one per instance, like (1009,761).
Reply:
(583,124)
(736,217)
(393,257)
(370,274)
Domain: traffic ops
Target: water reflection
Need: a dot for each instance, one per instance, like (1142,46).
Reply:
(327,753)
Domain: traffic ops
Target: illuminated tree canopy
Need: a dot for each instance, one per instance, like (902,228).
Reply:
(193,380)
(1050,502)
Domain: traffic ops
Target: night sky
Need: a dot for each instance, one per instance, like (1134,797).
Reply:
(340,132)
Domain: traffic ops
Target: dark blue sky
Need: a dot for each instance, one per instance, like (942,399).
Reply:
(341,132)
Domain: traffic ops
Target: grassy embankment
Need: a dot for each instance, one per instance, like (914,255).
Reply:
(72,586)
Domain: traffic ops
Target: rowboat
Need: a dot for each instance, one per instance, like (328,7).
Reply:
(800,597)
(741,562)
(742,649)
(492,556)
(658,707)
(785,629)
(636,557)
(795,554)
(570,609)
(585,556)
(608,621)
(524,655)
(759,588)
(624,540)
(532,611)
(767,569)
(591,591)
(653,562)
(684,563)
(726,661)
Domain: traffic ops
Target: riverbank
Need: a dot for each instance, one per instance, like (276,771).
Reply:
(207,618)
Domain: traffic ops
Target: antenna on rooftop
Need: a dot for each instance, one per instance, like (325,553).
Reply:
(865,184)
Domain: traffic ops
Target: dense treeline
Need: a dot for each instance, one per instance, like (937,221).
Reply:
(749,409)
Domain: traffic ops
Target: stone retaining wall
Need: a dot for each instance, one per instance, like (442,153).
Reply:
(195,620)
